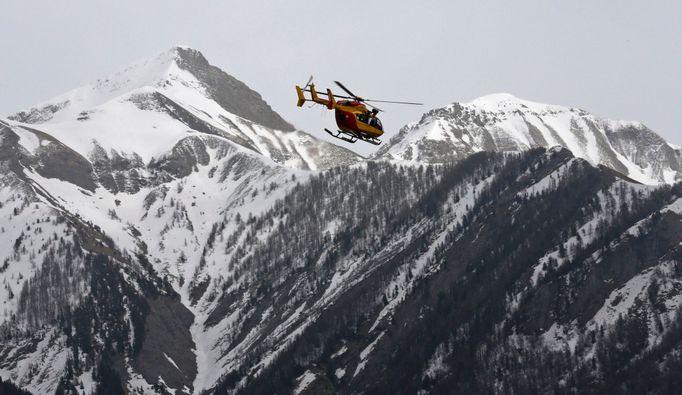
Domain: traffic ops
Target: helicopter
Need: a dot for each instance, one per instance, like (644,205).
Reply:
(354,119)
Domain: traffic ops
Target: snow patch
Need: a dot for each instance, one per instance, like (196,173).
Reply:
(365,353)
(303,381)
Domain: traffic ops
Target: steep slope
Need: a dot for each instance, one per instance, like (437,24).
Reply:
(503,122)
(531,255)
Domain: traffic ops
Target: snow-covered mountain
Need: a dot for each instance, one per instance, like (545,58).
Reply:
(164,231)
(141,112)
(502,122)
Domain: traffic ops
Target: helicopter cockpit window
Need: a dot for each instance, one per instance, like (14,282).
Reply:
(363,118)
(376,123)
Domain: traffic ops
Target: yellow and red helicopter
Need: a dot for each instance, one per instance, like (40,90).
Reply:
(354,119)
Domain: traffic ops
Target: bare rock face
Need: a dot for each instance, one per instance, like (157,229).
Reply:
(232,94)
(118,172)
(647,149)
(50,158)
(39,115)
(183,158)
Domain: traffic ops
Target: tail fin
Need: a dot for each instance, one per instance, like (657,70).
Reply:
(332,101)
(301,98)
(313,94)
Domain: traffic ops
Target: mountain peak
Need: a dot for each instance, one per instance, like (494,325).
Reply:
(496,98)
(180,70)
(188,54)
(178,48)
(505,102)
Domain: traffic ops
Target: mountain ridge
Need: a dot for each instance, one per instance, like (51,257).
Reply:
(503,122)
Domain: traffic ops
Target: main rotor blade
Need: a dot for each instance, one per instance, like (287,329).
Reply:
(394,102)
(375,107)
(347,90)
(376,101)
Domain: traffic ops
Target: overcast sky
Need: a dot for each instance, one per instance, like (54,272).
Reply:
(620,59)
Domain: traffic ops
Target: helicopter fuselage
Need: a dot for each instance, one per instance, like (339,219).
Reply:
(353,116)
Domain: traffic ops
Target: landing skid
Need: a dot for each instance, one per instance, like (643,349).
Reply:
(351,137)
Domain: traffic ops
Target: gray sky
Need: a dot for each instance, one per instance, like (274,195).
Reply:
(620,59)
